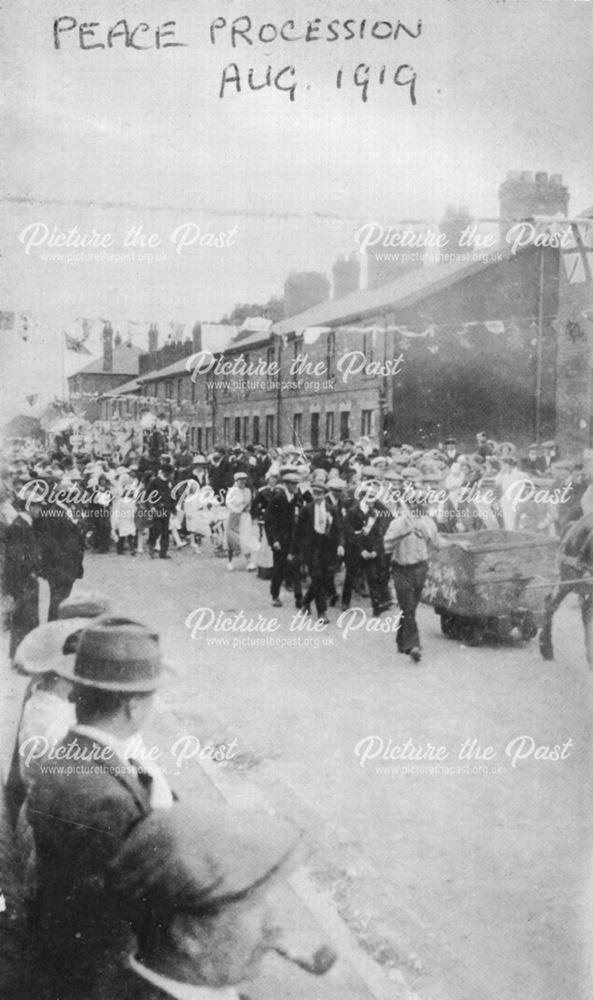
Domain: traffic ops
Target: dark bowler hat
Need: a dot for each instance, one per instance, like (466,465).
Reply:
(116,654)
(185,860)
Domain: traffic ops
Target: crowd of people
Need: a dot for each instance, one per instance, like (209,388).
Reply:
(301,518)
(126,891)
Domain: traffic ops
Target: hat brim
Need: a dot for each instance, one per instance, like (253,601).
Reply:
(66,670)
(31,657)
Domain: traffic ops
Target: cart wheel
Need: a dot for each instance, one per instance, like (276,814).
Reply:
(449,625)
(469,632)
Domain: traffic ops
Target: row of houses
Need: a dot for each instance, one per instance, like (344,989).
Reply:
(501,343)
(413,360)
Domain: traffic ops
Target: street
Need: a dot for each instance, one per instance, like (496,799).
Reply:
(465,882)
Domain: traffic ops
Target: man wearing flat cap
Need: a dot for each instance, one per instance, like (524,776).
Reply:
(279,523)
(90,796)
(194,885)
(162,505)
(318,543)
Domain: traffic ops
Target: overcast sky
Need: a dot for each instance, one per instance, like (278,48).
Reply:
(499,86)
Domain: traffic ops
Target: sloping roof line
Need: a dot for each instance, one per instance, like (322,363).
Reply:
(121,390)
(176,368)
(399,294)
(125,362)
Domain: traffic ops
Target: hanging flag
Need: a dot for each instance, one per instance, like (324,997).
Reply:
(6,320)
(312,333)
(72,344)
(494,326)
(462,337)
(578,255)
(24,325)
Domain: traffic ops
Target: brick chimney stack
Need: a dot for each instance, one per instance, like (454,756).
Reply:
(346,275)
(523,196)
(108,347)
(196,336)
(153,338)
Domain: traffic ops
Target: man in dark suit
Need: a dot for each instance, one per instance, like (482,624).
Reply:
(22,563)
(62,547)
(318,543)
(364,529)
(162,503)
(279,522)
(81,808)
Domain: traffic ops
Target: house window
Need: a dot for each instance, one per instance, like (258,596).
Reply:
(297,347)
(245,429)
(270,356)
(237,429)
(331,354)
(179,392)
(192,437)
(199,441)
(368,346)
(169,390)
(255,434)
(297,428)
(366,422)
(314,430)
(270,431)
(208,436)
(226,429)
(193,391)
(344,425)
(329,426)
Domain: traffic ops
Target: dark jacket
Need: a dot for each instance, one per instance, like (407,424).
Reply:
(22,558)
(357,539)
(281,518)
(79,822)
(303,543)
(61,544)
(158,493)
(261,502)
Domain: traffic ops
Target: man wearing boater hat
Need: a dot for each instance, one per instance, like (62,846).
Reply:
(90,796)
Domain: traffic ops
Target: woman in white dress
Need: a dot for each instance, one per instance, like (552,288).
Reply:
(195,507)
(238,502)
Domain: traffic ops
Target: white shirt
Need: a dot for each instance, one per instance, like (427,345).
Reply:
(181,991)
(161,796)
(321,517)
(45,715)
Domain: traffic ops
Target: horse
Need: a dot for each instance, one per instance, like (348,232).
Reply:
(575,565)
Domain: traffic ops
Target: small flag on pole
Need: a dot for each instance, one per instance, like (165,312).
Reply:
(578,256)
(72,344)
